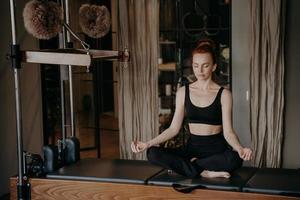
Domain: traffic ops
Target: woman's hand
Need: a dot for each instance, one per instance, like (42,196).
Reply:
(137,146)
(245,154)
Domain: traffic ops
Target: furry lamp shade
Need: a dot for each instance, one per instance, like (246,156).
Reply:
(43,19)
(94,20)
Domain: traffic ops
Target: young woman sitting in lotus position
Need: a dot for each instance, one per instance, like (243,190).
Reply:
(213,149)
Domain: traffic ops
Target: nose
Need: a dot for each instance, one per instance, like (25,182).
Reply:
(201,69)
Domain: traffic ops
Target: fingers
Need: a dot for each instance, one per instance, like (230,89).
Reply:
(140,147)
(246,154)
(133,146)
(243,155)
(137,146)
(249,154)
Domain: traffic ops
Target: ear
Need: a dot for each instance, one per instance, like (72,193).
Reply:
(214,67)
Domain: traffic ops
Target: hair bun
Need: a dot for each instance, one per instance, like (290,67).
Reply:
(94,20)
(207,42)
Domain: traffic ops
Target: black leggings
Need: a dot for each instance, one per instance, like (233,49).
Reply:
(212,153)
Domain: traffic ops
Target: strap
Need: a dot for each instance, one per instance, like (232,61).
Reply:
(218,98)
(220,91)
(187,94)
(186,189)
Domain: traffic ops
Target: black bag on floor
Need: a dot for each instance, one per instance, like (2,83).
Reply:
(33,164)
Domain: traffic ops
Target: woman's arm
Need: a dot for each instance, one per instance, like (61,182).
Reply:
(229,133)
(170,132)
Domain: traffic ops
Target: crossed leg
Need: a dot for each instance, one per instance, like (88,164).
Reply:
(174,159)
(218,165)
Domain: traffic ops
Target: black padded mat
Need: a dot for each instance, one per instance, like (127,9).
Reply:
(237,180)
(121,171)
(275,181)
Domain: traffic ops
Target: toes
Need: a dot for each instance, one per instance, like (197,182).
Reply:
(214,174)
(226,175)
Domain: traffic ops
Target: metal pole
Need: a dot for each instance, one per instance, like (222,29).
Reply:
(69,45)
(62,89)
(17,102)
(13,22)
(67,14)
(71,102)
(62,102)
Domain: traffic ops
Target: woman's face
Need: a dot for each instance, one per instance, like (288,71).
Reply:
(203,66)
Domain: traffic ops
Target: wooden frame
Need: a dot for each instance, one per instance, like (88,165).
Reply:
(69,189)
(76,57)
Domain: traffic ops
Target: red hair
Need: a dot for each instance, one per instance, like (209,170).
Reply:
(206,46)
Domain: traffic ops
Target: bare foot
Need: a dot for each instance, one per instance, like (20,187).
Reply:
(214,174)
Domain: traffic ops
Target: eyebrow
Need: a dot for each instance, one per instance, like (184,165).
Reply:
(193,63)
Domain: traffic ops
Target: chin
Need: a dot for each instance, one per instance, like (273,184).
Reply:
(201,77)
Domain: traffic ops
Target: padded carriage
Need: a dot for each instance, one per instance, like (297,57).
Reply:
(130,179)
(118,171)
(275,181)
(246,179)
(235,183)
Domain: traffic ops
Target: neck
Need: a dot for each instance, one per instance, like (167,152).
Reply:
(204,84)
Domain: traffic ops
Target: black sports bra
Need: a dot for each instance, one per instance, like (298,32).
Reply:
(211,114)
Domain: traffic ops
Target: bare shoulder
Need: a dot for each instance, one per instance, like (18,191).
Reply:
(226,95)
(181,91)
(226,92)
(180,94)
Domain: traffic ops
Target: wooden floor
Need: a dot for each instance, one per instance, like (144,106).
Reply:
(88,190)
(109,139)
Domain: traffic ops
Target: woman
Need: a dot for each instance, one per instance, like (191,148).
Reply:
(213,149)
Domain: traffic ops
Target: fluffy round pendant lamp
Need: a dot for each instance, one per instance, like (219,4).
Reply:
(94,20)
(43,19)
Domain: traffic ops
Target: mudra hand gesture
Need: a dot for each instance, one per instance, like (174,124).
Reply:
(245,154)
(138,146)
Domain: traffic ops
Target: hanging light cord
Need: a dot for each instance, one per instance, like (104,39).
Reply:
(85,45)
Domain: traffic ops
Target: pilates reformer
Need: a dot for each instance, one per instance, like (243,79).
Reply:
(133,179)
(129,179)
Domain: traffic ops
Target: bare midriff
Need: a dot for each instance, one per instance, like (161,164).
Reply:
(205,129)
